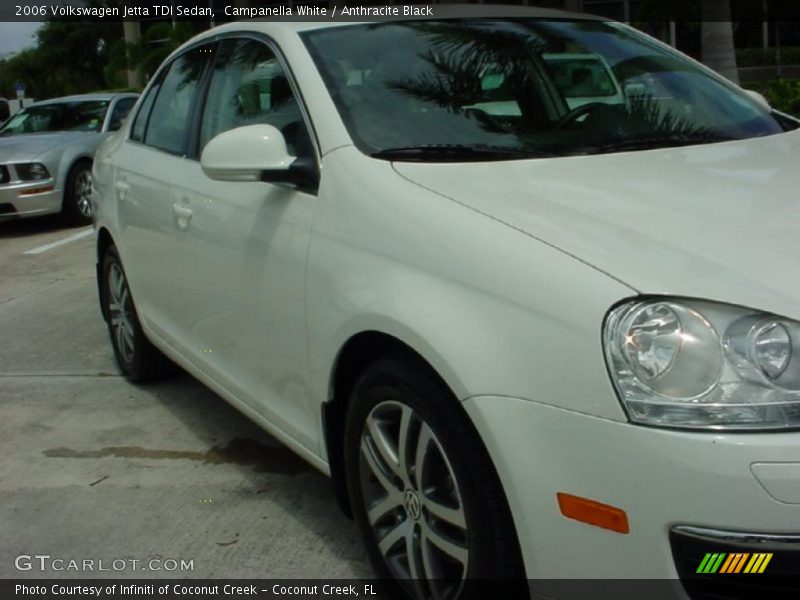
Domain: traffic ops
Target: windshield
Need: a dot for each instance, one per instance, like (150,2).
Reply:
(62,116)
(499,89)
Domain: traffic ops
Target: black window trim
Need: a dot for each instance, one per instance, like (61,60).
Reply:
(156,80)
(191,144)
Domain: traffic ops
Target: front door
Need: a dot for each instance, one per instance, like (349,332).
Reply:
(243,247)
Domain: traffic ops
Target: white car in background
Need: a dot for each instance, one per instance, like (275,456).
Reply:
(548,343)
(46,154)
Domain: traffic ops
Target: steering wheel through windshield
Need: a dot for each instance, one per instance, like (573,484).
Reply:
(576,113)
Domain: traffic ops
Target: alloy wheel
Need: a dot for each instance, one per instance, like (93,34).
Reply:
(413,502)
(120,313)
(83,193)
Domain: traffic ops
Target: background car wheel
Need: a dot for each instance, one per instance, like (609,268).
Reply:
(77,206)
(138,359)
(424,492)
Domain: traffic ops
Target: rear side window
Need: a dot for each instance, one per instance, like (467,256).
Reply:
(170,119)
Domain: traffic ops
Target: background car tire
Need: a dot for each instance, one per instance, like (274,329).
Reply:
(399,394)
(137,358)
(76,208)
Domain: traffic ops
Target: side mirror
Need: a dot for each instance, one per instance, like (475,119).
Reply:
(758,97)
(256,153)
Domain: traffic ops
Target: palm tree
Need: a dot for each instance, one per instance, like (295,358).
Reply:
(718,50)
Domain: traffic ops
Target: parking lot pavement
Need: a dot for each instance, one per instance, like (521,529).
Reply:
(94,468)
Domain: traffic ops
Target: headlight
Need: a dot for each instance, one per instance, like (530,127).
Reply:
(700,365)
(32,171)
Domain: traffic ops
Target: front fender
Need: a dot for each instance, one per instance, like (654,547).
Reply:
(71,154)
(493,310)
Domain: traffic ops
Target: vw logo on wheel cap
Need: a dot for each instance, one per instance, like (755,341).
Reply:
(413,507)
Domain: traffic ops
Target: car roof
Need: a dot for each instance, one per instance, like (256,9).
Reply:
(100,96)
(442,11)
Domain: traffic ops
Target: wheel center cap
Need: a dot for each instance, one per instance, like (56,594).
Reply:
(413,507)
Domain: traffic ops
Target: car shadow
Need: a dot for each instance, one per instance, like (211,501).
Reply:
(22,228)
(301,492)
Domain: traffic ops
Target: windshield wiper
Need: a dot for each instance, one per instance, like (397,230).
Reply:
(649,143)
(453,153)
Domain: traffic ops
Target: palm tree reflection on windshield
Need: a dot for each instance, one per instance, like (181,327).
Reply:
(466,67)
(460,54)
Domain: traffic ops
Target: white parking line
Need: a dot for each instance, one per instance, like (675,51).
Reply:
(73,238)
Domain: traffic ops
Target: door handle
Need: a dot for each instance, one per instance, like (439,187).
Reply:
(122,188)
(183,214)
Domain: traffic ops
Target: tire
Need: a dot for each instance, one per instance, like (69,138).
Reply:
(76,208)
(137,358)
(443,501)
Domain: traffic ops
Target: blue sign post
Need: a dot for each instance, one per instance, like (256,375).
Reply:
(20,87)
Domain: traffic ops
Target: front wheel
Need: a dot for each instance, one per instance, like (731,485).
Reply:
(424,492)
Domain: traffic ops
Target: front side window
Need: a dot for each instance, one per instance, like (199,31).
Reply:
(59,116)
(249,86)
(488,89)
(169,123)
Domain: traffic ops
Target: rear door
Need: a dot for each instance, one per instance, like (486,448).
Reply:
(149,168)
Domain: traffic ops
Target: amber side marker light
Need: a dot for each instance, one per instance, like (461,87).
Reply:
(38,190)
(593,513)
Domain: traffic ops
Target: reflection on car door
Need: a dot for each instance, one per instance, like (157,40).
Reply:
(242,249)
(153,157)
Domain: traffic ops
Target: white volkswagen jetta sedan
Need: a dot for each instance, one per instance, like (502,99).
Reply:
(526,338)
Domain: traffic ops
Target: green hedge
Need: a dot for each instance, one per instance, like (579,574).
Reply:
(759,57)
(783,94)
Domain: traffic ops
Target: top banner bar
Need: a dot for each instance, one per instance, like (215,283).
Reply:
(220,11)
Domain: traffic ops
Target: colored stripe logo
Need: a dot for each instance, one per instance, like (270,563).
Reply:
(735,562)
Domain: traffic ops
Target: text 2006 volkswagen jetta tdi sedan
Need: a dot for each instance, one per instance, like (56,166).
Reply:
(537,315)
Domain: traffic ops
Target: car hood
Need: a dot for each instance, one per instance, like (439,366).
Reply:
(716,221)
(14,148)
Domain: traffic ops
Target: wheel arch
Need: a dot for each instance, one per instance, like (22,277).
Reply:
(68,162)
(357,353)
(104,242)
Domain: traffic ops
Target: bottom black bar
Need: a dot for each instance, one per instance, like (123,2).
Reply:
(340,589)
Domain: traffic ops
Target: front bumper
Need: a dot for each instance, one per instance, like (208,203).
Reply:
(660,478)
(29,199)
